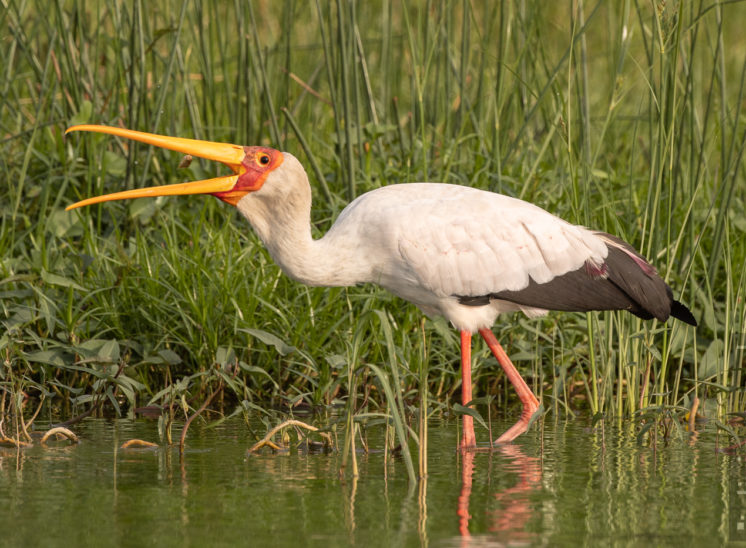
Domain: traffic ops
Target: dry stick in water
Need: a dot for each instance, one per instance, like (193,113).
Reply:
(27,425)
(693,413)
(3,438)
(69,434)
(196,414)
(290,422)
(131,444)
(14,442)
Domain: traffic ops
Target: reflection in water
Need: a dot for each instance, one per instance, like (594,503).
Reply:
(571,485)
(514,503)
(350,514)
(422,505)
(467,473)
(514,509)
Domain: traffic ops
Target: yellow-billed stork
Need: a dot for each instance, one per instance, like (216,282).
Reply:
(454,251)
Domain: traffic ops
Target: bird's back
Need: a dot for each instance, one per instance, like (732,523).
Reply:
(470,254)
(427,242)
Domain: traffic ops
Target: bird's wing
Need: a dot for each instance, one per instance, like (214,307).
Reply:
(426,242)
(479,243)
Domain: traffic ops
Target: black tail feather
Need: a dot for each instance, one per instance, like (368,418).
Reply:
(681,312)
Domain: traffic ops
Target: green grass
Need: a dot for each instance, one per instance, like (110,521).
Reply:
(621,116)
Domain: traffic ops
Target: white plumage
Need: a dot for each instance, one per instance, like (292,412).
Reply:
(427,243)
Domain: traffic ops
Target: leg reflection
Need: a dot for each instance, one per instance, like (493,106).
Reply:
(514,509)
(514,505)
(467,470)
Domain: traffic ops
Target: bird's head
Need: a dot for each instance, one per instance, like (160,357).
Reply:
(250,165)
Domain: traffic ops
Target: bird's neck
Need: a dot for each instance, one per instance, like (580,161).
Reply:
(282,220)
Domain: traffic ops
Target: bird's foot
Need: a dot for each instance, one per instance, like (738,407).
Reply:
(529,408)
(468,439)
(467,444)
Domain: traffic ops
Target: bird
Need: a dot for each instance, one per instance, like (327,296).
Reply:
(465,254)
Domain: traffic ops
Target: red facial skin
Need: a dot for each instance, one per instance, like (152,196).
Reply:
(257,162)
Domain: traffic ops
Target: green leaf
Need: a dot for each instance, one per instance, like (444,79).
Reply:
(255,369)
(48,314)
(114,164)
(523,355)
(61,281)
(129,387)
(536,415)
(709,365)
(729,430)
(721,388)
(644,430)
(600,174)
(110,350)
(83,116)
(461,410)
(273,340)
(143,210)
(225,356)
(106,350)
(169,356)
(61,224)
(336,361)
(49,357)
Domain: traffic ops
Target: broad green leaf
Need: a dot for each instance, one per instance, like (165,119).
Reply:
(114,164)
(169,356)
(709,365)
(461,410)
(255,369)
(273,340)
(61,224)
(83,116)
(100,349)
(143,210)
(110,350)
(224,356)
(537,414)
(49,357)
(61,281)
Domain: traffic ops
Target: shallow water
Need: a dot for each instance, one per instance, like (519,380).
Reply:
(565,485)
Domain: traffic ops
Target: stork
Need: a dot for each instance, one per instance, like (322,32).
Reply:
(465,254)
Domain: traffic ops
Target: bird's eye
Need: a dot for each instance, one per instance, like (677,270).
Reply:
(264,159)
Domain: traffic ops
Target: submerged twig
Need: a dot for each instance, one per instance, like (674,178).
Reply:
(5,439)
(269,443)
(14,442)
(133,444)
(78,418)
(62,431)
(26,425)
(732,448)
(266,440)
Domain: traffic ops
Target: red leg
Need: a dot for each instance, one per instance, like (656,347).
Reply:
(468,440)
(530,403)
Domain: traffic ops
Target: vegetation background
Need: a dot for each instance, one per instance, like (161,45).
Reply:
(623,116)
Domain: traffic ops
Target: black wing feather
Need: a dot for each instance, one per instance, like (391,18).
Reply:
(625,282)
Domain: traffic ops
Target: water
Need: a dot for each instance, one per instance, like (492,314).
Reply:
(566,485)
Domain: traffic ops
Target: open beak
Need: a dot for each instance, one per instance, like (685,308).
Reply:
(230,155)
